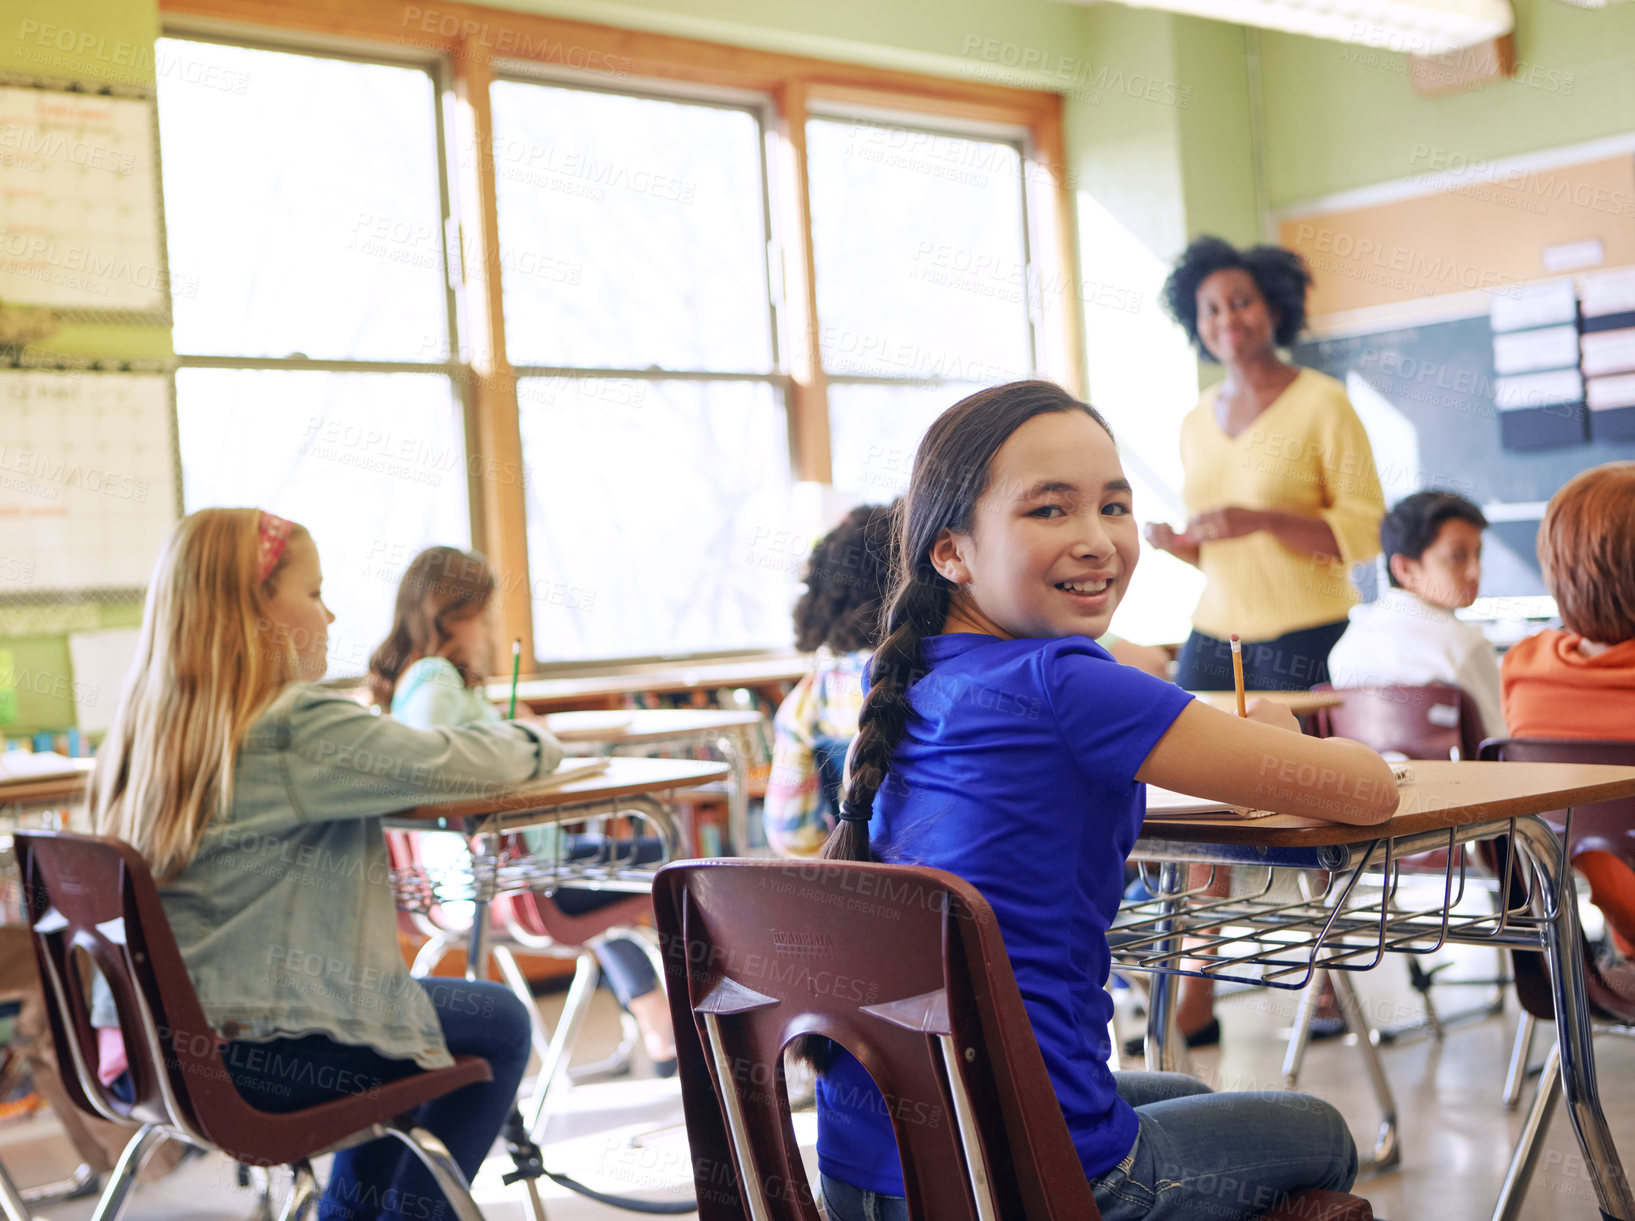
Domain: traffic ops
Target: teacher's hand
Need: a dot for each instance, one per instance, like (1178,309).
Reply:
(1234,521)
(1165,537)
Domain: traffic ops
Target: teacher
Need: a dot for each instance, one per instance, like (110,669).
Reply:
(1280,489)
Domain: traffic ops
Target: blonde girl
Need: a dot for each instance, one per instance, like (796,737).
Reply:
(255,797)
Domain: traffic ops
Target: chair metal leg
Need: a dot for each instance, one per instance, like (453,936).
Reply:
(1519,1055)
(11,1200)
(730,748)
(82,1182)
(450,1181)
(430,954)
(304,1194)
(1300,1032)
(538,1032)
(567,1029)
(1547,857)
(1387,1152)
(1166,1049)
(1530,1141)
(136,1152)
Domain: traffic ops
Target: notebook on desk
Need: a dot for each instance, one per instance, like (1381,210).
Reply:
(568,771)
(1170,805)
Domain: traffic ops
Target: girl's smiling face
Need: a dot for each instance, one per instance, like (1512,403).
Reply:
(1053,541)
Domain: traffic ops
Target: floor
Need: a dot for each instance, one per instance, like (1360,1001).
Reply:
(623,1136)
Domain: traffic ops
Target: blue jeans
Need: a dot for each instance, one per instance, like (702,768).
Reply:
(1199,1156)
(383,1180)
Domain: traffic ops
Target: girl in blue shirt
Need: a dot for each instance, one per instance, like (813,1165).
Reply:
(1000,742)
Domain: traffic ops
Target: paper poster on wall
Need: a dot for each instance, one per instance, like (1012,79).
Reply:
(87,479)
(79,202)
(101,661)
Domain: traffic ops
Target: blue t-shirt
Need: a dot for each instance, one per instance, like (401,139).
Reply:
(1017,772)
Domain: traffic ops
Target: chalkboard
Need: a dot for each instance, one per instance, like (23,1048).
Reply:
(1438,380)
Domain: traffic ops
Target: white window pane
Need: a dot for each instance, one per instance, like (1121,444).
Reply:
(921,256)
(372,464)
(632,231)
(658,517)
(301,205)
(874,431)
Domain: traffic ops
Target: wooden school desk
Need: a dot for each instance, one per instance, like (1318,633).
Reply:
(1298,702)
(1265,939)
(628,787)
(48,790)
(726,731)
(608,690)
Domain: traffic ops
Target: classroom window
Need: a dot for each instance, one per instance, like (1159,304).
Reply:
(633,238)
(373,464)
(658,517)
(305,211)
(925,288)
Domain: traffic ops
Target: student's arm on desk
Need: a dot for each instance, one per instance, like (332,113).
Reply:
(1264,762)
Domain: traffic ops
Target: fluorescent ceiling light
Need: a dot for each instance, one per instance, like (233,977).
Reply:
(1416,27)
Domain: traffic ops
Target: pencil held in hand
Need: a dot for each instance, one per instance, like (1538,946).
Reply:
(1237,672)
(516,667)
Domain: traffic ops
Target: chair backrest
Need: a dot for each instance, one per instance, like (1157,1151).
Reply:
(1606,826)
(906,969)
(1434,721)
(96,896)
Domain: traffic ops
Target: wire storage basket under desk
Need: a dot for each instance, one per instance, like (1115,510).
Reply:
(495,864)
(1344,917)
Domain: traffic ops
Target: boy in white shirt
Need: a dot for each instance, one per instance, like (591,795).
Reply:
(1433,554)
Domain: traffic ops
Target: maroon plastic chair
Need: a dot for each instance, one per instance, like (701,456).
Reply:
(96,897)
(1607,826)
(1434,721)
(906,968)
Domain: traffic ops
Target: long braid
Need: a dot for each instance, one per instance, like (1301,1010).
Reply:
(918,607)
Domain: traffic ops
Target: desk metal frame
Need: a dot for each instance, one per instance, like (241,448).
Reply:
(1283,944)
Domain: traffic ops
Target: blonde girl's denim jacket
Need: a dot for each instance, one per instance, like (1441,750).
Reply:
(286,917)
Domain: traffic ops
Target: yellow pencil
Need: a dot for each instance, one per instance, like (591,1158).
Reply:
(1237,672)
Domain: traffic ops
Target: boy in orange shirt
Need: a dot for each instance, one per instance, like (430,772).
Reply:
(1579,682)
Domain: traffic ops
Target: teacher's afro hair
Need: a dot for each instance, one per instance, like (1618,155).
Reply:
(1280,274)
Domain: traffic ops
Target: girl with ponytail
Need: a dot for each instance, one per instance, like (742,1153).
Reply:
(998,741)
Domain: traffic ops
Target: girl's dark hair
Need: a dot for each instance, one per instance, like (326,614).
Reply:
(441,585)
(847,578)
(1281,276)
(950,475)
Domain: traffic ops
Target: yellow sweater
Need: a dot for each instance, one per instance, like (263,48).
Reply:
(1307,453)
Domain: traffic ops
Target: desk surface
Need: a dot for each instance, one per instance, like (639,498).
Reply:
(30,790)
(628,725)
(1297,701)
(623,778)
(1440,795)
(703,676)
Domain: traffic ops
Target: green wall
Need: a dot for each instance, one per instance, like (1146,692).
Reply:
(1339,117)
(107,41)
(946,37)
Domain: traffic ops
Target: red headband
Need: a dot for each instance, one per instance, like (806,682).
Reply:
(272,534)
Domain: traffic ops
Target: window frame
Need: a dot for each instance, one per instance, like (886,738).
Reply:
(467,47)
